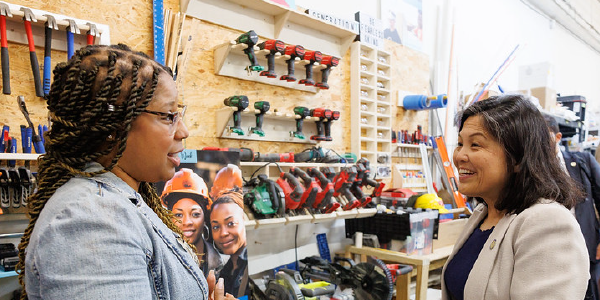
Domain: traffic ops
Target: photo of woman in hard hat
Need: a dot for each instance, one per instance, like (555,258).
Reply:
(186,196)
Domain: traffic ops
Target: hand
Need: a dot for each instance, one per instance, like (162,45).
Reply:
(216,291)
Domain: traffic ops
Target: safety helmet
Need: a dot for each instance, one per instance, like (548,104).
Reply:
(227,178)
(185,184)
(431,201)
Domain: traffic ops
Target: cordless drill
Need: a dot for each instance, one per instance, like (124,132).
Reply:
(262,107)
(292,51)
(240,102)
(301,113)
(274,47)
(250,38)
(321,114)
(312,57)
(330,62)
(335,115)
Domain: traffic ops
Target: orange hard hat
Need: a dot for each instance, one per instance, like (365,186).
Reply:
(227,178)
(185,184)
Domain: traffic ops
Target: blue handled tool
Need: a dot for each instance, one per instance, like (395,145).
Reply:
(71,29)
(26,135)
(50,25)
(38,145)
(3,138)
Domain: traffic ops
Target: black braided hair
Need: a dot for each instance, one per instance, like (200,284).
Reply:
(97,94)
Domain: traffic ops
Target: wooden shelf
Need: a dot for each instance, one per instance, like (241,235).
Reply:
(272,20)
(310,218)
(19,156)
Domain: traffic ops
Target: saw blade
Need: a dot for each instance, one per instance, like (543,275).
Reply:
(371,282)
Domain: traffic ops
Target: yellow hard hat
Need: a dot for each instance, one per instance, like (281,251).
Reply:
(431,201)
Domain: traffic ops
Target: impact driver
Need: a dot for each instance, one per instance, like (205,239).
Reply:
(250,38)
(312,57)
(261,107)
(330,62)
(292,51)
(301,114)
(335,115)
(274,47)
(322,114)
(240,102)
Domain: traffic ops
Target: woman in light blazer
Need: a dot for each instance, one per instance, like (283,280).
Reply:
(521,242)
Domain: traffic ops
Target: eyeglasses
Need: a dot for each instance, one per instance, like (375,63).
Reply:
(172,117)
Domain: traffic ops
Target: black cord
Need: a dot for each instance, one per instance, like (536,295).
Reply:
(254,173)
(296,247)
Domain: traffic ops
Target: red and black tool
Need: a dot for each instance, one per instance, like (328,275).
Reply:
(71,30)
(363,178)
(91,33)
(322,114)
(292,51)
(50,25)
(312,57)
(335,115)
(311,188)
(274,157)
(301,113)
(292,189)
(246,154)
(274,47)
(330,62)
(28,17)
(341,183)
(356,187)
(4,12)
(324,200)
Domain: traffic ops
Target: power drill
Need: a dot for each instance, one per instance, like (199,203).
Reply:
(250,38)
(312,57)
(330,62)
(322,114)
(292,51)
(262,107)
(301,112)
(240,102)
(335,115)
(274,47)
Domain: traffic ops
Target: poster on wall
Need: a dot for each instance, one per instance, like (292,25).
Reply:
(403,22)
(287,3)
(205,197)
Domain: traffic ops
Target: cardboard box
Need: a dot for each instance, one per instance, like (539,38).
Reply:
(546,96)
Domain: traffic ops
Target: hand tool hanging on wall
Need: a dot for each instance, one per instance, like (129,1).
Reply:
(240,102)
(274,47)
(92,33)
(50,25)
(250,38)
(4,12)
(322,114)
(439,147)
(261,108)
(292,51)
(335,115)
(3,138)
(15,182)
(301,113)
(313,57)
(330,62)
(38,145)
(71,30)
(29,17)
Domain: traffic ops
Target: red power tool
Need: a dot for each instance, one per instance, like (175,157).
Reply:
(330,62)
(341,185)
(312,57)
(292,189)
(322,114)
(324,200)
(335,115)
(274,157)
(311,188)
(246,154)
(292,51)
(364,180)
(274,47)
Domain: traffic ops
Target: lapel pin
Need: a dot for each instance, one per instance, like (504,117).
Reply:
(573,164)
(493,244)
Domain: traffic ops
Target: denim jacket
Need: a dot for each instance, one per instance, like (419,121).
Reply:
(97,239)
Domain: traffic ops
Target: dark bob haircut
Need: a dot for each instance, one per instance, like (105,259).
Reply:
(535,171)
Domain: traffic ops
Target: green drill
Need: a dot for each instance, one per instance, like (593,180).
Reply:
(303,112)
(250,38)
(240,102)
(262,107)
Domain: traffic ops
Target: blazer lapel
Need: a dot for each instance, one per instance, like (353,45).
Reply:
(486,259)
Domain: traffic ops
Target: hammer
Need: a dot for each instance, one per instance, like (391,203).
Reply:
(4,12)
(50,25)
(92,33)
(71,29)
(28,16)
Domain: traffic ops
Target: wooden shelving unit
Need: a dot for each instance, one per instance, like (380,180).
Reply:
(371,107)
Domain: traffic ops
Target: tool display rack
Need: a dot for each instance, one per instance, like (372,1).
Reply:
(272,171)
(410,159)
(371,106)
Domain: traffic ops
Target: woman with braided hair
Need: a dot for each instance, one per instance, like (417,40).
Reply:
(97,229)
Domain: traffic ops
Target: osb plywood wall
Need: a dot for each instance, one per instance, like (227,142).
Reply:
(130,22)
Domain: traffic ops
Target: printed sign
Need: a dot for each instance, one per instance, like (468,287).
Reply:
(370,31)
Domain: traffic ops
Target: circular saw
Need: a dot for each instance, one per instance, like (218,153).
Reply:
(370,282)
